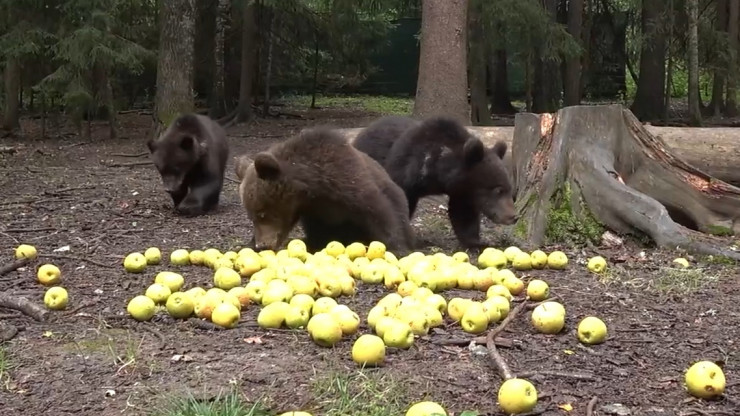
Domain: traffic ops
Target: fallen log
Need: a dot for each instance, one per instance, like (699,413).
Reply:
(19,303)
(713,150)
(598,167)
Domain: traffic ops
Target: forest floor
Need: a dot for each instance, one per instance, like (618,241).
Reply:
(79,201)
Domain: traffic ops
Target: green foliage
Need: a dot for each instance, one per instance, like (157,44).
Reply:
(229,404)
(363,393)
(570,221)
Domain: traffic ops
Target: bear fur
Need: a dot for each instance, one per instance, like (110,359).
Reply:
(438,156)
(190,156)
(334,190)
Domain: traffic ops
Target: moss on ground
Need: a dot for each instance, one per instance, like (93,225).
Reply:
(565,226)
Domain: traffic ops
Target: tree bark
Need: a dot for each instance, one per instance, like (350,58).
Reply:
(218,94)
(692,9)
(270,15)
(732,29)
(248,61)
(104,92)
(12,75)
(498,80)
(587,169)
(174,94)
(572,88)
(669,71)
(718,83)
(650,85)
(713,150)
(442,80)
(479,113)
(547,73)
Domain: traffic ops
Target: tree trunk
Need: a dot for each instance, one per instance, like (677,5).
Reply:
(572,88)
(498,80)
(718,83)
(248,61)
(174,94)
(548,83)
(12,75)
(479,113)
(692,9)
(650,85)
(442,80)
(587,169)
(713,150)
(732,29)
(268,61)
(669,71)
(218,95)
(104,99)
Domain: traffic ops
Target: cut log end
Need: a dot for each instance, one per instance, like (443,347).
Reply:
(594,168)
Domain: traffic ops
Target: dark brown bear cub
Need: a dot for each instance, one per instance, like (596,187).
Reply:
(438,156)
(334,190)
(191,159)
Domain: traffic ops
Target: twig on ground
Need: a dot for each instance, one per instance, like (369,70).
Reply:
(142,154)
(22,304)
(591,405)
(66,257)
(71,188)
(130,164)
(579,376)
(503,368)
(500,342)
(14,266)
(28,230)
(231,179)
(201,324)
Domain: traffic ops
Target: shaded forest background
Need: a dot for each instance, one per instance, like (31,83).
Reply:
(89,59)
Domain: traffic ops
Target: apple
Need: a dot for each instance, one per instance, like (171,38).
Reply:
(368,350)
(461,257)
(383,323)
(172,280)
(592,330)
(134,263)
(390,258)
(158,292)
(334,248)
(492,311)
(264,275)
(501,303)
(501,275)
(247,265)
(323,304)
(358,264)
(373,273)
(303,285)
(303,301)
(226,315)
(180,305)
(141,308)
(255,289)
(415,319)
(231,255)
(375,250)
(297,317)
(538,290)
(273,315)
(499,290)
(705,379)
(539,259)
(195,292)
(491,257)
(348,320)
(391,300)
(547,319)
(240,293)
(521,261)
(205,305)
(514,284)
(551,304)
(456,308)
(232,299)
(223,262)
(324,330)
(56,298)
(426,409)
(348,285)
(49,274)
(482,280)
(475,319)
(596,264)
(180,257)
(511,252)
(210,256)
(421,293)
(297,249)
(197,257)
(557,260)
(393,277)
(436,301)
(516,396)
(26,251)
(374,315)
(682,262)
(406,288)
(355,250)
(398,335)
(276,291)
(153,255)
(466,280)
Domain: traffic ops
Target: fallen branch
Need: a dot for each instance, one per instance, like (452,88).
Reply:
(28,230)
(500,342)
(14,266)
(503,368)
(129,164)
(19,303)
(577,376)
(142,154)
(65,257)
(591,405)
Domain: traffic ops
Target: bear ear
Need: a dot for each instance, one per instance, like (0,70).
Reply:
(151,145)
(242,164)
(267,167)
(500,149)
(473,151)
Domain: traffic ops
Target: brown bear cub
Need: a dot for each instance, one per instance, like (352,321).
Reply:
(191,158)
(334,190)
(438,156)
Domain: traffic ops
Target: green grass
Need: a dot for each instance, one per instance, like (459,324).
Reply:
(681,281)
(229,404)
(4,363)
(374,103)
(361,393)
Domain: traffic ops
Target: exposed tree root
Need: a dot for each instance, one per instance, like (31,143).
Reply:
(587,168)
(22,304)
(591,405)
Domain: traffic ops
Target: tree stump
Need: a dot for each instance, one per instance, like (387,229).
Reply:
(585,169)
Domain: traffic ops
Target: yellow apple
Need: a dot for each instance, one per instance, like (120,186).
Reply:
(330,286)
(323,304)
(297,317)
(226,315)
(433,316)
(592,330)
(383,323)
(557,306)
(303,285)
(391,301)
(682,262)
(334,248)
(255,289)
(516,396)
(231,255)
(273,315)
(49,274)
(297,248)
(406,288)
(538,290)
(295,413)
(482,280)
(374,315)
(514,284)
(141,308)
(26,251)
(302,301)
(421,293)
(197,257)
(547,319)
(153,255)
(511,252)
(390,258)
(375,250)
(557,260)
(134,262)
(368,350)
(705,379)
(348,285)
(501,303)
(180,257)
(180,305)
(596,264)
(398,335)
(172,280)
(436,301)
(241,294)
(500,275)
(393,277)
(355,250)
(499,290)
(521,261)
(276,291)
(456,308)
(158,292)
(247,265)
(358,264)
(195,292)
(373,273)
(56,298)
(491,257)
(426,409)
(226,278)
(539,259)
(492,311)
(415,319)
(475,319)
(324,330)
(465,280)
(205,305)
(223,262)
(461,257)
(348,320)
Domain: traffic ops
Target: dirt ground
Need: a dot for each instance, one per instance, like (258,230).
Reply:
(93,360)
